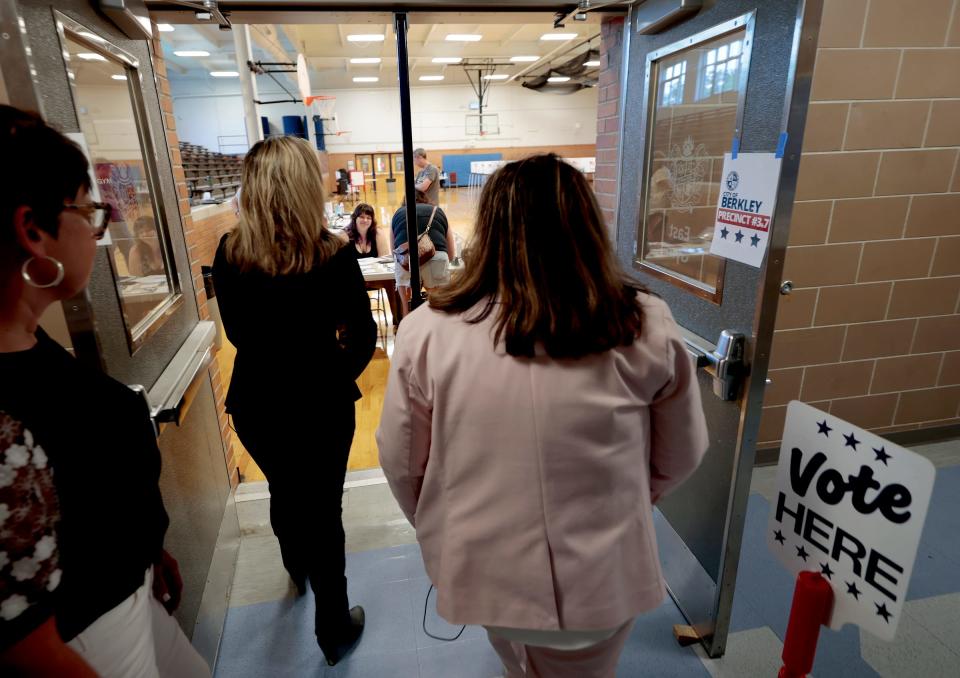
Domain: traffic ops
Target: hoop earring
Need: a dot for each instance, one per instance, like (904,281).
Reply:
(25,273)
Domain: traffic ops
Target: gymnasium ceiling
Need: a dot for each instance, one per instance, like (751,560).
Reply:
(329,50)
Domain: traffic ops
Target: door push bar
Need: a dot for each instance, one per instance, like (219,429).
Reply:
(168,397)
(724,362)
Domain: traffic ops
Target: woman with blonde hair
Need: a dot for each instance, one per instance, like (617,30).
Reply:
(294,305)
(535,411)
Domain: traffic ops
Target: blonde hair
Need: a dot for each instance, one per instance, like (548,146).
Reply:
(282,226)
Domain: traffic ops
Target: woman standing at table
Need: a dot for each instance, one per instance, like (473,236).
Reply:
(295,306)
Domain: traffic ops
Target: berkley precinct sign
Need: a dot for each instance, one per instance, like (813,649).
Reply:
(748,196)
(850,505)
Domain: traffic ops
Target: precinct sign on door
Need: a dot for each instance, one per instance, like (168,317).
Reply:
(851,506)
(748,195)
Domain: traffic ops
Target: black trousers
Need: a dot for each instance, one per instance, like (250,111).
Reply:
(304,454)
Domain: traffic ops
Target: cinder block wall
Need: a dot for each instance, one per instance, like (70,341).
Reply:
(872,332)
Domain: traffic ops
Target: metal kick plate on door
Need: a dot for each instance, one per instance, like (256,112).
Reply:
(724,361)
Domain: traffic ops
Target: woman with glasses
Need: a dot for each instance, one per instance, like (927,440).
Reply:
(535,411)
(85,584)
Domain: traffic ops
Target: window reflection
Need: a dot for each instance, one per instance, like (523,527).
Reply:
(107,120)
(693,123)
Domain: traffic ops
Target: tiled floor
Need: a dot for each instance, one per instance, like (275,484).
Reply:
(269,631)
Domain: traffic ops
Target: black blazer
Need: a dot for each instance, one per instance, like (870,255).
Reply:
(302,339)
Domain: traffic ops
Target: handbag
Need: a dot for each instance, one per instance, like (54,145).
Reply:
(426,250)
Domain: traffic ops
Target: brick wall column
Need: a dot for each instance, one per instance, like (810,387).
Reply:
(608,120)
(195,243)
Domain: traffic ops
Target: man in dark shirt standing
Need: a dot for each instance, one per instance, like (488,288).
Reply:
(428,178)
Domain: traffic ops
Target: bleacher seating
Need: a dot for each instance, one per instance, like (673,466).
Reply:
(208,171)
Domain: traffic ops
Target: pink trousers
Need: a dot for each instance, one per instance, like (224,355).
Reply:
(530,661)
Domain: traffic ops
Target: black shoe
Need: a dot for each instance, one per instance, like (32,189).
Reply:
(335,652)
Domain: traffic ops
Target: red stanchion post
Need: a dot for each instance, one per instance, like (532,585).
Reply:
(812,604)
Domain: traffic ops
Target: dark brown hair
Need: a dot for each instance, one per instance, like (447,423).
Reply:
(541,260)
(49,170)
(351,230)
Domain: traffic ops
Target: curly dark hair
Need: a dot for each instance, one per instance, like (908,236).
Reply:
(351,230)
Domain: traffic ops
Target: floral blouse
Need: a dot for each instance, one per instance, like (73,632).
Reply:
(29,512)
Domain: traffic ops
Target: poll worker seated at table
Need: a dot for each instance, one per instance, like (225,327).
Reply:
(535,411)
(435,272)
(367,239)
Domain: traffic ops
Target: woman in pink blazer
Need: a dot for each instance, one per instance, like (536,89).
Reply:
(535,412)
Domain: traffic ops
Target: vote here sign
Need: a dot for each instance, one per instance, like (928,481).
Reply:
(851,506)
(748,195)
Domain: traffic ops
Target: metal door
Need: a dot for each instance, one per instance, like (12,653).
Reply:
(735,70)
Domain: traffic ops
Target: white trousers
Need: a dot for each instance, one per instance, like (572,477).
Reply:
(139,639)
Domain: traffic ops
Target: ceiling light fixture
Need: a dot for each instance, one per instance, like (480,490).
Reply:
(365,37)
(431,78)
(224,74)
(191,53)
(365,60)
(496,76)
(558,36)
(366,78)
(446,60)
(91,56)
(464,37)
(118,77)
(558,78)
(524,59)
(165,28)
(592,63)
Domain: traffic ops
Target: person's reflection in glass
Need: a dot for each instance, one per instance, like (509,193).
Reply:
(145,257)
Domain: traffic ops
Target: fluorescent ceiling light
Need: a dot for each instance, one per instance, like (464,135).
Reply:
(366,78)
(91,56)
(496,76)
(592,62)
(118,77)
(557,78)
(464,37)
(165,28)
(521,59)
(365,37)
(365,60)
(191,53)
(224,74)
(431,78)
(558,36)
(447,60)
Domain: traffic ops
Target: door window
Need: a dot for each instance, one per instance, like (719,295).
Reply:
(695,99)
(106,85)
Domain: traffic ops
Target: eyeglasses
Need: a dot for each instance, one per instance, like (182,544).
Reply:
(97,213)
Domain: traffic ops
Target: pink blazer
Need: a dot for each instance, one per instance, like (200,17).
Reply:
(531,482)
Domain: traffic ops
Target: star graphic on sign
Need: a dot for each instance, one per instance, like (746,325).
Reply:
(824,429)
(738,235)
(778,537)
(881,455)
(851,441)
(754,239)
(883,612)
(852,589)
(825,570)
(802,553)
(724,232)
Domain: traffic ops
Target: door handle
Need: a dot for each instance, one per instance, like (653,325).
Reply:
(723,361)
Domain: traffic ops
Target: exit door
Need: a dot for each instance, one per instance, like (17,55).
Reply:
(735,71)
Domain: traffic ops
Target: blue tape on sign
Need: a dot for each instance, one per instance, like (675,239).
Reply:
(781,145)
(734,148)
